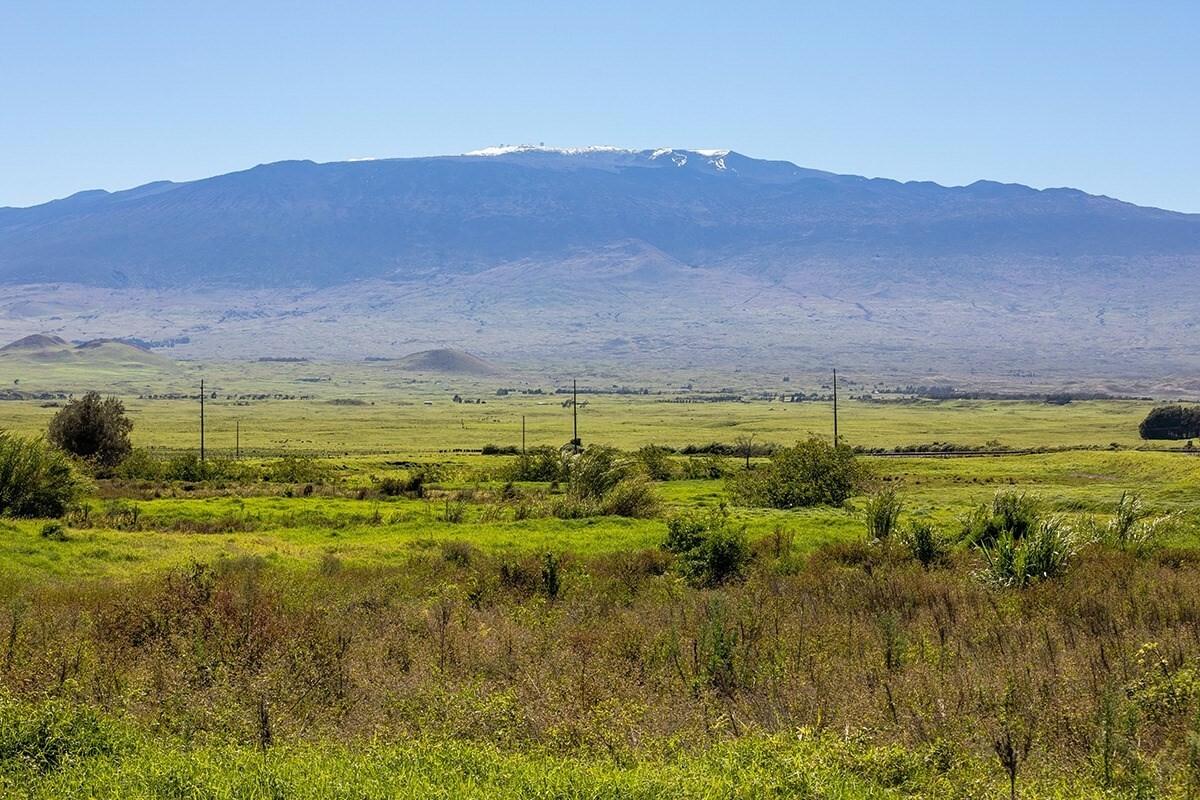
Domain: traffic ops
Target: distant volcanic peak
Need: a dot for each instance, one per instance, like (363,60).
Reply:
(447,361)
(36,341)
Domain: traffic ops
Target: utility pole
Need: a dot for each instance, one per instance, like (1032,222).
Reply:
(237,440)
(202,420)
(575,414)
(522,436)
(835,432)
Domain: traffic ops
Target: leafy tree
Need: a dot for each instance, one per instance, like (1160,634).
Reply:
(35,480)
(1171,422)
(94,429)
(813,472)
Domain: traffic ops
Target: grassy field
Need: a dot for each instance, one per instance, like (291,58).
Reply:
(404,425)
(320,638)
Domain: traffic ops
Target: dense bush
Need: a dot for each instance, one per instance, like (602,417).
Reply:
(1019,543)
(705,468)
(1131,528)
(541,463)
(813,472)
(46,737)
(94,429)
(592,473)
(139,465)
(189,468)
(924,543)
(631,497)
(1171,422)
(709,549)
(35,480)
(414,484)
(298,469)
(500,450)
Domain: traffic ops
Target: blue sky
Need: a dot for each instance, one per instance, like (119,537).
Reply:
(1101,96)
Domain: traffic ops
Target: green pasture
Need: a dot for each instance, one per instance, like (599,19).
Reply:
(368,425)
(412,423)
(300,532)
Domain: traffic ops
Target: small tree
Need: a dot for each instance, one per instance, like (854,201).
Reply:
(813,472)
(94,429)
(744,446)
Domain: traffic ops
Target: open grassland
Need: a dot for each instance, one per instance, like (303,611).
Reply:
(145,529)
(324,636)
(402,423)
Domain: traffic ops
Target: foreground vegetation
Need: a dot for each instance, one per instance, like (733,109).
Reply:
(641,620)
(873,671)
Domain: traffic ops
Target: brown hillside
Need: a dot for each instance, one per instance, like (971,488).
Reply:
(447,362)
(36,341)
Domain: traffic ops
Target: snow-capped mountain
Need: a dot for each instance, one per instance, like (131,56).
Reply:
(743,253)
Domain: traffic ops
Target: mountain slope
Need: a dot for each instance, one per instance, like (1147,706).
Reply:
(309,225)
(666,259)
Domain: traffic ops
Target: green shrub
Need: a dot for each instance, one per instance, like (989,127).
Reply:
(139,465)
(1009,513)
(656,462)
(543,464)
(1130,529)
(35,480)
(813,472)
(54,531)
(1040,554)
(412,485)
(633,497)
(592,473)
(882,514)
(187,467)
(297,469)
(923,543)
(551,579)
(708,549)
(705,467)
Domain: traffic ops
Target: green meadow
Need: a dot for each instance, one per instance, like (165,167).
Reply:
(355,632)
